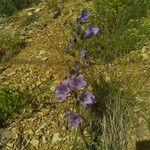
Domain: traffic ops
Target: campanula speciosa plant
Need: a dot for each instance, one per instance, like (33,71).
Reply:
(75,86)
(76,83)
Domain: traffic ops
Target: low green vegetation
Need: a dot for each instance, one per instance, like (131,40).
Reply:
(114,113)
(10,45)
(8,7)
(11,102)
(53,5)
(29,19)
(124,27)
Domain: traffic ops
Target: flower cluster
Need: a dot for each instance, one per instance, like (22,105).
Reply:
(67,86)
(72,85)
(75,84)
(87,33)
(74,119)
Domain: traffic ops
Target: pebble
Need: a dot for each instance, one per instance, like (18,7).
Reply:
(44,58)
(37,10)
(55,14)
(38,83)
(35,143)
(30,14)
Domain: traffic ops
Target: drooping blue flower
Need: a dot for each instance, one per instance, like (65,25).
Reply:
(63,89)
(78,81)
(75,82)
(61,92)
(90,31)
(83,16)
(68,83)
(73,40)
(86,99)
(83,53)
(74,119)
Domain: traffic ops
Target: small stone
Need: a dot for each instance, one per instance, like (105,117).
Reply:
(29,40)
(43,52)
(55,14)
(30,14)
(12,73)
(43,139)
(35,143)
(144,49)
(8,27)
(37,10)
(30,132)
(33,86)
(27,75)
(9,145)
(44,58)
(56,138)
(52,88)
(44,79)
(38,83)
(6,83)
(145,56)
(47,72)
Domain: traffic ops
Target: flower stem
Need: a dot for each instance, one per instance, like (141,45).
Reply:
(83,137)
(80,127)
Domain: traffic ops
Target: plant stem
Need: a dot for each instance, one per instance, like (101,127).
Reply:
(80,127)
(83,137)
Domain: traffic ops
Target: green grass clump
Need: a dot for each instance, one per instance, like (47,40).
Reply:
(10,45)
(123,27)
(11,102)
(28,20)
(113,117)
(53,5)
(8,7)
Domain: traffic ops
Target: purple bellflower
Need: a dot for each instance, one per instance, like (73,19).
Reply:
(83,53)
(78,81)
(90,31)
(83,16)
(86,99)
(74,119)
(63,89)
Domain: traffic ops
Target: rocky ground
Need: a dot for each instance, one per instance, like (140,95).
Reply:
(39,66)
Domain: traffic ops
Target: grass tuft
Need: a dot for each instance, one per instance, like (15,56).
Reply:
(11,102)
(8,7)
